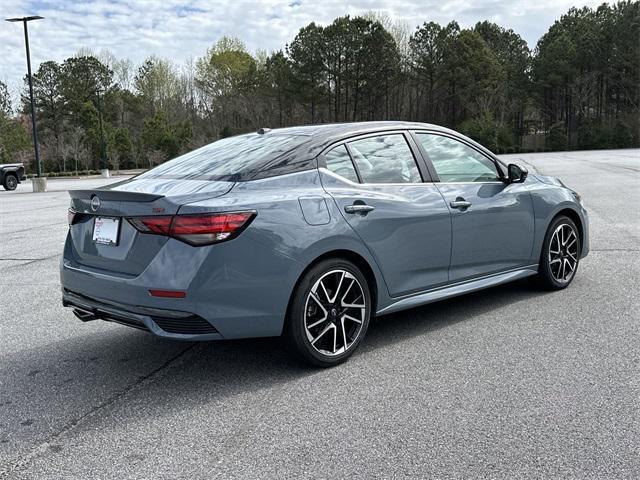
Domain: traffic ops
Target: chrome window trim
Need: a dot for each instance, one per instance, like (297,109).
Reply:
(346,180)
(497,182)
(421,164)
(353,164)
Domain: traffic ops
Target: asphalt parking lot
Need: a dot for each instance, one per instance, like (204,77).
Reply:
(511,382)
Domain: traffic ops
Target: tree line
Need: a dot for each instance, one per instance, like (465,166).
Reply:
(579,88)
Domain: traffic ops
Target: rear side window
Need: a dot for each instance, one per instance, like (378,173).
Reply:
(228,158)
(385,159)
(339,162)
(456,162)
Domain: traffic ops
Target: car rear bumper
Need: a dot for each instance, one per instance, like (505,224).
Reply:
(240,290)
(172,324)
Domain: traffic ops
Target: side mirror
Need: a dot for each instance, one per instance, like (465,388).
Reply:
(517,174)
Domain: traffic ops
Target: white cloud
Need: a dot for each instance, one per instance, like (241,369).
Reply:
(182,29)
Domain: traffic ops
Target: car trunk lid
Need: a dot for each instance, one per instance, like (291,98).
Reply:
(132,251)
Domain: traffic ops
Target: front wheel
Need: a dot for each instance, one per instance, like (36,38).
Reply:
(329,313)
(10,182)
(560,254)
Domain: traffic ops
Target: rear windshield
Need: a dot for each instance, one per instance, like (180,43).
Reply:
(228,159)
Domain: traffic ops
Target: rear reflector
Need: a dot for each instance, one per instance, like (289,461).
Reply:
(196,229)
(167,293)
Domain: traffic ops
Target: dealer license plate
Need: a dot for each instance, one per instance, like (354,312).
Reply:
(105,230)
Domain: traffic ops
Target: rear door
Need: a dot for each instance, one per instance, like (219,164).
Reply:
(379,189)
(492,221)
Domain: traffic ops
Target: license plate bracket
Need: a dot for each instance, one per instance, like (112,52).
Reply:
(106,230)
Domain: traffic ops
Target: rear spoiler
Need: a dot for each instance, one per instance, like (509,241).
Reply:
(114,195)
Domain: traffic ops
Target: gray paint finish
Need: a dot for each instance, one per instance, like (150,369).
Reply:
(417,248)
(314,210)
(408,232)
(495,233)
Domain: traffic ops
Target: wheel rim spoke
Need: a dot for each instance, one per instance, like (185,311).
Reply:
(569,265)
(335,338)
(323,332)
(344,334)
(352,305)
(315,298)
(315,324)
(349,317)
(324,290)
(571,234)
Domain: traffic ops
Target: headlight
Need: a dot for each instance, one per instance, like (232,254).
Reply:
(577,196)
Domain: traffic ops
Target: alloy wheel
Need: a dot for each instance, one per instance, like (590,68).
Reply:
(11,182)
(334,312)
(563,253)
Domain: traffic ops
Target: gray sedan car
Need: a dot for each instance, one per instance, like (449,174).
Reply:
(311,231)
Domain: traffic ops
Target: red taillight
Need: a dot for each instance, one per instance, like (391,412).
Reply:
(197,229)
(159,225)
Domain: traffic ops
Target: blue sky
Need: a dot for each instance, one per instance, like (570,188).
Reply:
(183,29)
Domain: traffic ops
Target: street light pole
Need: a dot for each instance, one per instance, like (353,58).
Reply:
(24,21)
(103,159)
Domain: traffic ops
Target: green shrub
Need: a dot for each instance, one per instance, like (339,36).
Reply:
(556,138)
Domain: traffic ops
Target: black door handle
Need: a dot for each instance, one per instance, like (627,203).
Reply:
(358,208)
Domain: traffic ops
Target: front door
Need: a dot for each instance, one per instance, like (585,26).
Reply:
(403,221)
(492,221)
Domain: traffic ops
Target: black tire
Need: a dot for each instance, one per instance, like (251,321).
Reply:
(549,275)
(10,181)
(340,324)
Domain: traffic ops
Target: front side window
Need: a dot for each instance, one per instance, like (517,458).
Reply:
(339,162)
(456,162)
(385,159)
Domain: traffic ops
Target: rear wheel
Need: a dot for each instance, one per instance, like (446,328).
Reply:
(10,182)
(560,254)
(329,313)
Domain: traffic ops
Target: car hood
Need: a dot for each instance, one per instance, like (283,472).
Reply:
(550,180)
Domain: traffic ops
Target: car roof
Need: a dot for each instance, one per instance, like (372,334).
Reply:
(314,139)
(331,132)
(308,142)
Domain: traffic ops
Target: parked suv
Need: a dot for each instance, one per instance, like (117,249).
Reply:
(11,174)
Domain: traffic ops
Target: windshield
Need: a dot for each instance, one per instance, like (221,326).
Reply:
(228,158)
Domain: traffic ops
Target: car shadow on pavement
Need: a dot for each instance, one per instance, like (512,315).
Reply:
(138,367)
(270,353)
(215,371)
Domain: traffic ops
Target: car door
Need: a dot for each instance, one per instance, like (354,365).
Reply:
(378,187)
(492,221)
